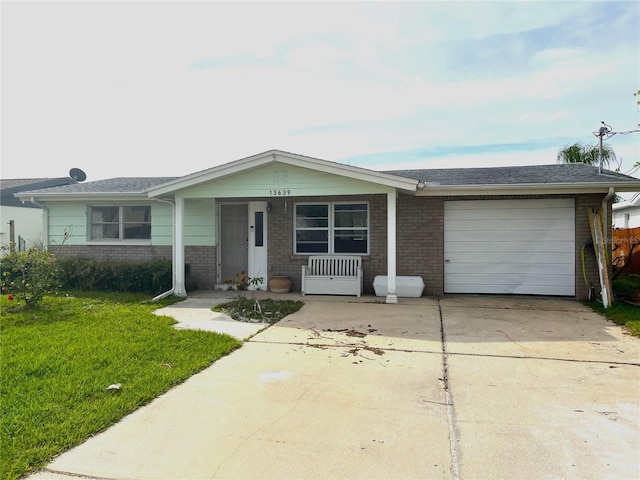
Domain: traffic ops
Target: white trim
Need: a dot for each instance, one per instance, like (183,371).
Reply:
(522,189)
(392,296)
(179,288)
(89,197)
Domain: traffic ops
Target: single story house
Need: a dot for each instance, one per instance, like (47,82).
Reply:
(22,222)
(626,214)
(506,230)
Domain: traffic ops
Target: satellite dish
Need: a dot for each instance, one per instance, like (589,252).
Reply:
(77,174)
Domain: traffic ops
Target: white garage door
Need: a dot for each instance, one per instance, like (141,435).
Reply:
(510,247)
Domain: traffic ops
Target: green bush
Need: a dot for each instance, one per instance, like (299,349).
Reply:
(86,274)
(29,276)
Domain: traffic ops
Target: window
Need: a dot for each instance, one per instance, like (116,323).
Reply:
(332,228)
(120,223)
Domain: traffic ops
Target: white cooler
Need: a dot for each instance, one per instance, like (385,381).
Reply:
(405,286)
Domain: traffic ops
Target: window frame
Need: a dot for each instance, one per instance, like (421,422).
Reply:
(331,227)
(121,225)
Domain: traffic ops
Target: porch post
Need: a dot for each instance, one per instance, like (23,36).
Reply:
(178,250)
(391,248)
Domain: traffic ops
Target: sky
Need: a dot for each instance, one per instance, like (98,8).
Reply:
(168,88)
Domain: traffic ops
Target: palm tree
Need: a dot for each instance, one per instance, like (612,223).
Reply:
(590,154)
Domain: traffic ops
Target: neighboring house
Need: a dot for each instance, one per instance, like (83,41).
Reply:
(22,221)
(626,214)
(508,230)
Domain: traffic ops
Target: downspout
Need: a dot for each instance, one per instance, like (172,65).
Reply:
(605,215)
(173,252)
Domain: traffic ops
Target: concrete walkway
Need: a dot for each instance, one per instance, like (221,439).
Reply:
(195,313)
(462,387)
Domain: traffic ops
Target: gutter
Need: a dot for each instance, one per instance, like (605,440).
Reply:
(173,252)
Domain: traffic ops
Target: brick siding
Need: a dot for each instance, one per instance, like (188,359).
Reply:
(420,242)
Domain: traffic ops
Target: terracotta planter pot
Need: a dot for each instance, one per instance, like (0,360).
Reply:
(280,284)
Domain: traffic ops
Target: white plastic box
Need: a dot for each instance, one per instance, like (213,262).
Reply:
(405,286)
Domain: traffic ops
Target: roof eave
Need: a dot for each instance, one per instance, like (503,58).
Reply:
(61,197)
(526,189)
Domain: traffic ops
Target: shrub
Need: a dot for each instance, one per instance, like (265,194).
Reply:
(30,275)
(87,274)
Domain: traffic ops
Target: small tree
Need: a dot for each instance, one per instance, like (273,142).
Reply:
(590,154)
(29,276)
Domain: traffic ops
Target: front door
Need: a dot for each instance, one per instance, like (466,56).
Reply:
(234,240)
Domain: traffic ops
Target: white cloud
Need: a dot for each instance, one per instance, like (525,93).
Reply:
(112,88)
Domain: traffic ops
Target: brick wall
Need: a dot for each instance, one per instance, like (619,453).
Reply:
(281,259)
(421,241)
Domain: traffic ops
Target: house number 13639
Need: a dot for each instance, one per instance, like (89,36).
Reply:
(280,192)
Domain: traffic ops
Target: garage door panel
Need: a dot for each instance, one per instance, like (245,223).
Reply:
(511,268)
(505,225)
(504,214)
(530,204)
(507,258)
(510,289)
(510,235)
(509,279)
(510,246)
(520,248)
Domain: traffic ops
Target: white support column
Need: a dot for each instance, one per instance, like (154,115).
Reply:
(391,248)
(178,250)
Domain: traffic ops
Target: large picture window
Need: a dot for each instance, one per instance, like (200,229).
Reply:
(115,223)
(332,228)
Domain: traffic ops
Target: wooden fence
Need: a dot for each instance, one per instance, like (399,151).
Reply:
(626,241)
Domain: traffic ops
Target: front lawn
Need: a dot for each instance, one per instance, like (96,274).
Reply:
(58,359)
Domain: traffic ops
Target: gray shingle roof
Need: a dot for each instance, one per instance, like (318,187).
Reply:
(532,174)
(565,174)
(111,185)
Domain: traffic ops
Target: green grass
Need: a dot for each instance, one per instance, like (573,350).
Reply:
(622,314)
(58,358)
(271,311)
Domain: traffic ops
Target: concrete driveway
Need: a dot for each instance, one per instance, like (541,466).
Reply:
(461,387)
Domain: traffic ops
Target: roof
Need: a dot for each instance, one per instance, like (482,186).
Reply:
(538,174)
(109,186)
(13,185)
(554,178)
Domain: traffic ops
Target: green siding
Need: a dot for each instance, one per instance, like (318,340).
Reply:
(200,222)
(283,180)
(161,223)
(70,217)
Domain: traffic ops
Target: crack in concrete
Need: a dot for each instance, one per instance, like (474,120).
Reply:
(451,354)
(453,439)
(74,475)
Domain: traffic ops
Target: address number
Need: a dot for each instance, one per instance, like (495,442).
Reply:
(280,192)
